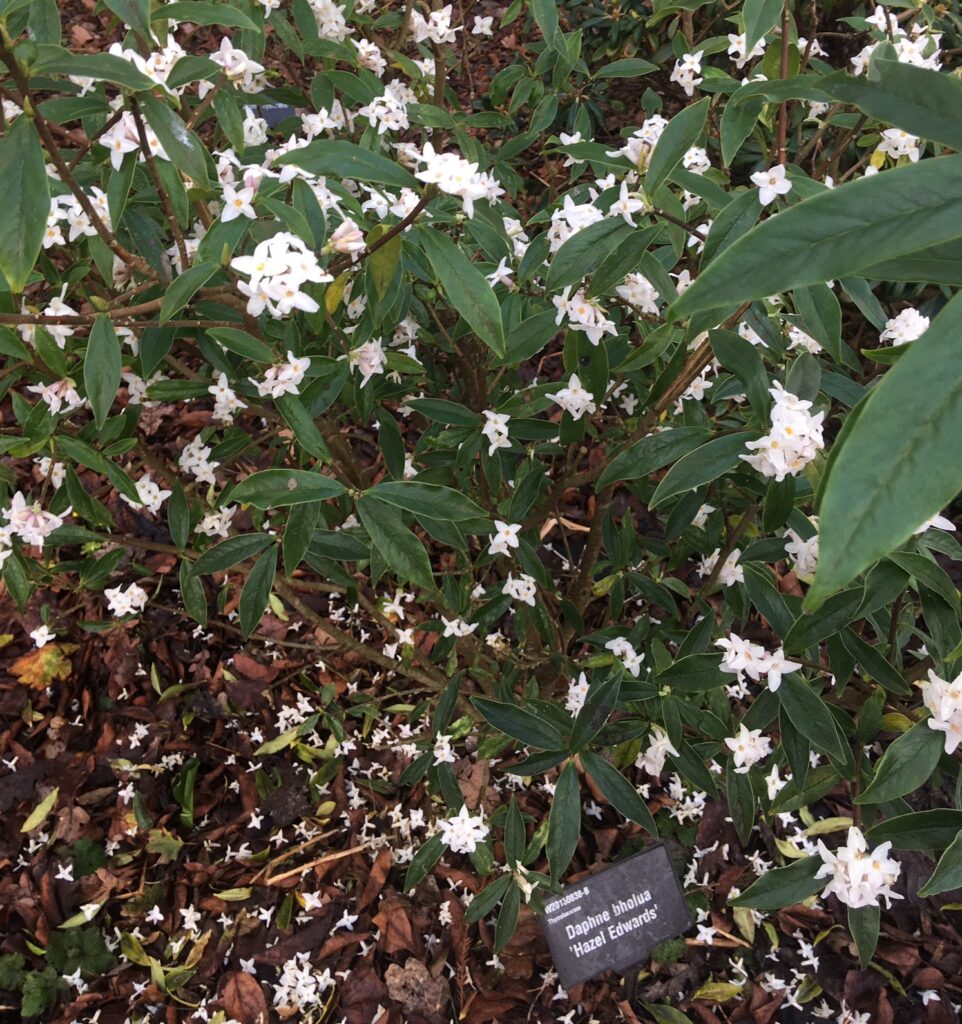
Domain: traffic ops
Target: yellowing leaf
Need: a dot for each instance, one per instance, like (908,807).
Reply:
(40,668)
(40,812)
(821,828)
(718,991)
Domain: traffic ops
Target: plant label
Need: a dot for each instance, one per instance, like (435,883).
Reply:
(611,920)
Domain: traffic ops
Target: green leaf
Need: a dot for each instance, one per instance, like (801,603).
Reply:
(618,791)
(305,429)
(276,488)
(831,618)
(231,551)
(822,315)
(948,872)
(24,219)
(810,716)
(652,453)
(185,150)
(257,590)
(514,834)
(564,821)
(742,803)
(703,465)
(681,133)
(465,286)
(694,673)
(383,262)
(341,159)
(818,782)
(102,67)
(184,287)
(242,343)
(905,766)
(398,546)
(584,251)
(760,17)
(442,411)
(897,465)
(917,100)
(507,918)
(920,830)
(201,13)
(628,67)
(423,499)
(102,364)
(833,234)
(783,887)
(135,13)
(661,1013)
(487,899)
(520,724)
(925,571)
(863,923)
(600,702)
(742,358)
(423,861)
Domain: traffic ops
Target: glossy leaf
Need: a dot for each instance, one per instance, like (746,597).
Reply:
(275,488)
(102,364)
(26,203)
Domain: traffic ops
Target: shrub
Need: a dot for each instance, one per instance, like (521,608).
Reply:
(627,436)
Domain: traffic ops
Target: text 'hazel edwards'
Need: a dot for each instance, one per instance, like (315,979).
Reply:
(609,924)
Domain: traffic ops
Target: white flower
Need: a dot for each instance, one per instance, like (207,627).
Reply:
(574,399)
(30,522)
(505,537)
(150,493)
(659,747)
(126,602)
(369,358)
(347,238)
(777,666)
(686,71)
(730,573)
(748,748)
(742,657)
(804,553)
(42,635)
(458,627)
(856,876)
(577,692)
(523,589)
(463,832)
(908,326)
(283,379)
(640,292)
(495,429)
(794,440)
(237,203)
(443,754)
(936,523)
(631,659)
(195,459)
(944,700)
(771,183)
(482,26)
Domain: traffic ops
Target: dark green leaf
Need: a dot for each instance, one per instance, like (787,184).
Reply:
(921,830)
(341,159)
(831,618)
(832,234)
(202,13)
(863,923)
(184,287)
(524,726)
(652,453)
(275,488)
(948,872)
(433,500)
(905,766)
(464,286)
(102,365)
(231,551)
(783,887)
(257,590)
(564,820)
(703,465)
(398,546)
(423,861)
(183,147)
(618,791)
(25,210)
(679,136)
(584,251)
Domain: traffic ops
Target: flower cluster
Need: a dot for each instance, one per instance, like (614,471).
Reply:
(857,876)
(943,698)
(463,832)
(277,270)
(793,441)
(743,658)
